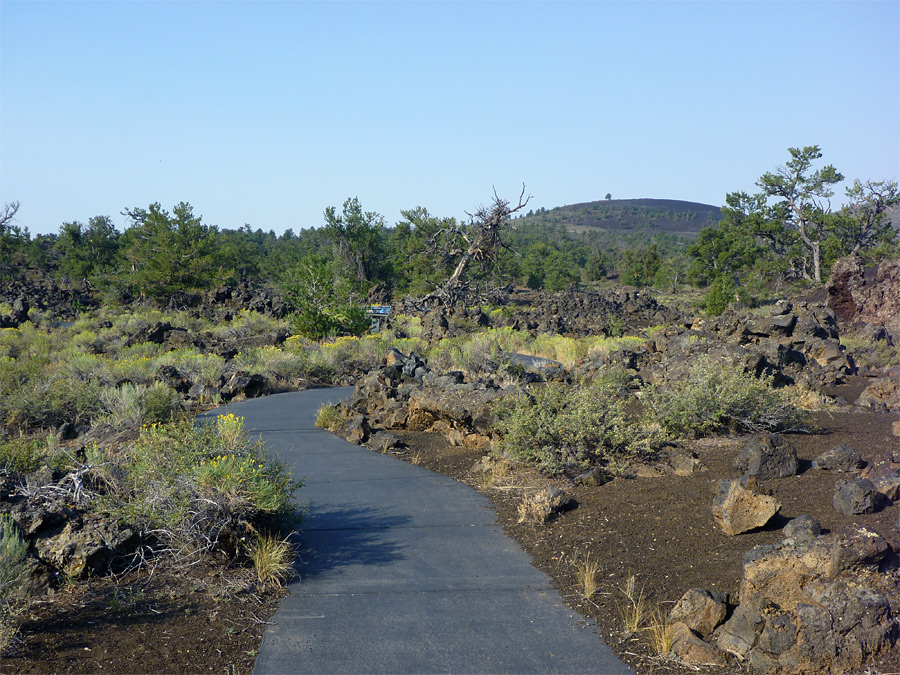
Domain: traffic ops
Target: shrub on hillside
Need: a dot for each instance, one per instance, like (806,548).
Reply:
(47,401)
(13,548)
(563,427)
(722,292)
(715,398)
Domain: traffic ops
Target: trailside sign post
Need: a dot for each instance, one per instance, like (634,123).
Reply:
(379,315)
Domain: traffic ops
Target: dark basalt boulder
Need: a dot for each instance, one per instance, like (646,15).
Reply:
(855,496)
(768,456)
(842,458)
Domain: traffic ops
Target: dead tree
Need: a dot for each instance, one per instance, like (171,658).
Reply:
(480,242)
(7,215)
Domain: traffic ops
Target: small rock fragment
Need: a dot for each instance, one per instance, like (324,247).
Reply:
(699,610)
(737,509)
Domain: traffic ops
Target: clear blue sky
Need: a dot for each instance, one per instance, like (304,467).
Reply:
(268,112)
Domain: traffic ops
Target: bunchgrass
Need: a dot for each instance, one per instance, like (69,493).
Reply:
(587,574)
(634,609)
(329,417)
(273,559)
(660,632)
(12,568)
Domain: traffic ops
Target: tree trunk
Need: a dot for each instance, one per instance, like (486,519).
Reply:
(817,262)
(460,268)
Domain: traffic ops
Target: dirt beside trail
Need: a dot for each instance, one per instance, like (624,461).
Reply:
(155,620)
(661,530)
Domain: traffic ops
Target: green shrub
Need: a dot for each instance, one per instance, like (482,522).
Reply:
(130,406)
(123,406)
(199,489)
(49,401)
(487,352)
(239,478)
(159,403)
(21,455)
(714,399)
(351,354)
(870,353)
(248,323)
(199,368)
(329,417)
(83,366)
(13,548)
(721,294)
(411,326)
(561,427)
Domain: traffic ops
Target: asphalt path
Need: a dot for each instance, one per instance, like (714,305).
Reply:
(402,570)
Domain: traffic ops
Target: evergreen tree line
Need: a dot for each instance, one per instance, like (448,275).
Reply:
(785,232)
(161,252)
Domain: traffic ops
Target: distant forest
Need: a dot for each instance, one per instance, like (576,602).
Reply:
(681,218)
(784,233)
(160,251)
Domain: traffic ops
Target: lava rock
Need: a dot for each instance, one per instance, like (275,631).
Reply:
(854,496)
(358,430)
(700,610)
(767,456)
(593,478)
(737,509)
(843,457)
(694,650)
(803,527)
(172,378)
(244,384)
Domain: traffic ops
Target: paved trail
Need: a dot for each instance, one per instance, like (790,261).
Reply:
(404,570)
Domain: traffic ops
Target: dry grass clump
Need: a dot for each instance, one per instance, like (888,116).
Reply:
(587,575)
(536,508)
(273,559)
(638,617)
(494,472)
(634,610)
(660,632)
(329,417)
(532,510)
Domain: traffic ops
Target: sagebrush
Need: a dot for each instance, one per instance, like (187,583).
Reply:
(714,399)
(561,427)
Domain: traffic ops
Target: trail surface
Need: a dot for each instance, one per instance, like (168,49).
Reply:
(403,570)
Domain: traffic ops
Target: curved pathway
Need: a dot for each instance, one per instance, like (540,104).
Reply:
(404,570)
